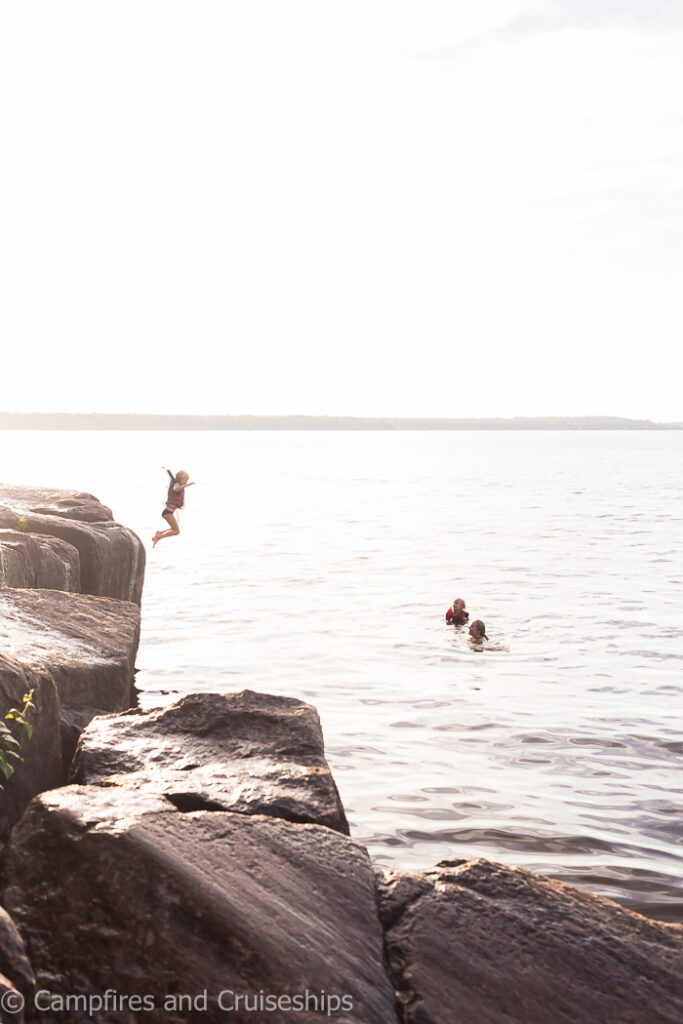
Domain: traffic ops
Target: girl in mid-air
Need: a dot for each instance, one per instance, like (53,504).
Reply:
(175,499)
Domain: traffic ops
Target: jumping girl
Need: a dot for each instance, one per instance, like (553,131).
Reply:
(175,499)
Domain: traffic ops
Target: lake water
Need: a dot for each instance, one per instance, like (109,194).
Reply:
(320,565)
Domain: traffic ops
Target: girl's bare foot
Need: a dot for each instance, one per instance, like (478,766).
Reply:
(155,538)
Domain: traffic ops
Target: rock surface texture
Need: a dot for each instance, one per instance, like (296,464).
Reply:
(78,653)
(479,943)
(247,752)
(66,540)
(115,888)
(31,560)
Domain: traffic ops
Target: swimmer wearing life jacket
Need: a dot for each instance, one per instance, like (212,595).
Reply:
(175,499)
(456,614)
(477,632)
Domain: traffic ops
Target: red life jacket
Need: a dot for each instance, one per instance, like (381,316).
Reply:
(176,499)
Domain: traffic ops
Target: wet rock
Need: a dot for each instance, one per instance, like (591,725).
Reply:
(111,557)
(38,562)
(480,943)
(118,889)
(248,752)
(78,653)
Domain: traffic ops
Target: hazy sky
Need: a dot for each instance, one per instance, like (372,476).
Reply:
(365,207)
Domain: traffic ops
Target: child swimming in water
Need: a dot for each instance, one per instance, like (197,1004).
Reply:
(477,632)
(456,614)
(175,499)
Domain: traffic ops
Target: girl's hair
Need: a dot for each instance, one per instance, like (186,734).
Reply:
(182,473)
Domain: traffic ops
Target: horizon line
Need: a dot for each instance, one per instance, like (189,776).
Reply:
(313,421)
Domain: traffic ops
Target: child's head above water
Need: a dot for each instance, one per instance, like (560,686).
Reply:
(182,476)
(478,631)
(456,614)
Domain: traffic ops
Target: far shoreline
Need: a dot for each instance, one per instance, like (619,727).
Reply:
(134,421)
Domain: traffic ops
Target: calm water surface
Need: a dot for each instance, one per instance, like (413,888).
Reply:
(319,565)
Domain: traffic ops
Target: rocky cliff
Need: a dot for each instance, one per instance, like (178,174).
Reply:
(66,540)
(70,588)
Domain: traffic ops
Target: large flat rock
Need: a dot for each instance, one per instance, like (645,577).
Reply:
(88,644)
(110,557)
(76,505)
(479,943)
(247,752)
(78,653)
(115,889)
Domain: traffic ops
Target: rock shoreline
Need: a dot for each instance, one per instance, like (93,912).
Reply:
(201,851)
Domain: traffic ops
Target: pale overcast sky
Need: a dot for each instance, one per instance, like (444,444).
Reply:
(363,207)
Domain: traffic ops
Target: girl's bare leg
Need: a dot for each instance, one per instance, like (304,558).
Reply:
(173,530)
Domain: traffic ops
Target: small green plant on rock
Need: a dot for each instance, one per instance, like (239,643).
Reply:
(10,743)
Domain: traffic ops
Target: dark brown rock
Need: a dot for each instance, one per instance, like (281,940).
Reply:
(112,558)
(248,752)
(480,943)
(118,889)
(78,653)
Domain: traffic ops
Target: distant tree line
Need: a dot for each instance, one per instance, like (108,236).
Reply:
(135,421)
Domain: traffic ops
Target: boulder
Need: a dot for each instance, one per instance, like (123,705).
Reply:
(479,943)
(117,889)
(28,560)
(247,752)
(77,653)
(111,557)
